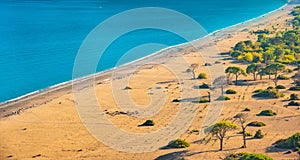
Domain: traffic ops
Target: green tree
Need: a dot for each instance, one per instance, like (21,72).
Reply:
(276,68)
(254,69)
(237,71)
(220,129)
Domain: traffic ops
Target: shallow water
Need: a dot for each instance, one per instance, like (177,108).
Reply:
(40,39)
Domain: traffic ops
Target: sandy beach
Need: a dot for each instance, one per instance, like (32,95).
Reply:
(47,124)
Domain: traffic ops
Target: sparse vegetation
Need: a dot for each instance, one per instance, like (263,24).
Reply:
(280,87)
(230,91)
(247,109)
(202,76)
(283,77)
(248,156)
(224,98)
(268,93)
(127,88)
(256,124)
(148,123)
(294,96)
(292,142)
(267,113)
(295,88)
(175,100)
(204,86)
(258,134)
(178,143)
(293,103)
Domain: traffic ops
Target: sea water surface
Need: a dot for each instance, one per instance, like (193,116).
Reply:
(39,39)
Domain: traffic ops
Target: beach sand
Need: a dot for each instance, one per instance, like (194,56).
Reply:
(47,125)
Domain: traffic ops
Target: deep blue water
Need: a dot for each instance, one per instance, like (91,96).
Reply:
(39,39)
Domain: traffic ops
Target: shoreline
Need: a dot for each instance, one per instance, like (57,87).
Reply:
(9,106)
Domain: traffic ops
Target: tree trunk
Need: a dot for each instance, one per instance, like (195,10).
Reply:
(236,79)
(260,76)
(194,76)
(221,144)
(244,138)
(254,76)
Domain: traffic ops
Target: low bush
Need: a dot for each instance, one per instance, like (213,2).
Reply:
(178,143)
(267,113)
(294,96)
(248,156)
(292,142)
(293,103)
(258,90)
(202,76)
(148,123)
(282,77)
(127,87)
(270,88)
(230,91)
(248,134)
(204,86)
(258,135)
(224,98)
(256,124)
(295,88)
(175,100)
(247,109)
(268,93)
(280,87)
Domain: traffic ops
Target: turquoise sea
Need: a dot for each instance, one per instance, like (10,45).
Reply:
(39,39)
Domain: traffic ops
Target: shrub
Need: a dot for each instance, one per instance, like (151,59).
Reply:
(267,113)
(248,156)
(256,124)
(178,143)
(127,87)
(207,64)
(224,98)
(230,91)
(288,70)
(292,142)
(204,86)
(247,109)
(201,101)
(282,77)
(258,90)
(293,103)
(175,100)
(202,76)
(248,134)
(294,96)
(258,135)
(148,123)
(268,93)
(280,87)
(270,88)
(295,88)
